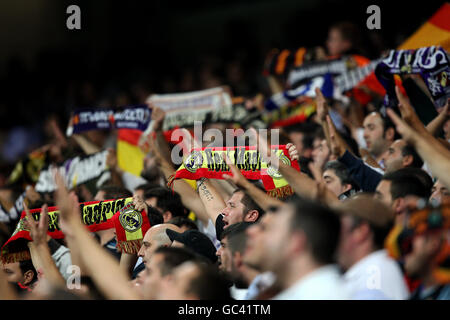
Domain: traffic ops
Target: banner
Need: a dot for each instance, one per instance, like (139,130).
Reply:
(95,215)
(128,117)
(183,109)
(76,171)
(210,162)
(431,63)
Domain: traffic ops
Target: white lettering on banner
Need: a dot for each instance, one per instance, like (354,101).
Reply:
(422,59)
(80,170)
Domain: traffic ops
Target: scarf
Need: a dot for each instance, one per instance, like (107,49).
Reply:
(13,213)
(431,63)
(183,109)
(296,111)
(128,117)
(27,170)
(332,85)
(210,163)
(76,171)
(279,63)
(130,226)
(430,219)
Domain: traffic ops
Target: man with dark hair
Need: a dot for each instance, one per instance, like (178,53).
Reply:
(407,182)
(166,201)
(344,38)
(369,272)
(21,274)
(161,266)
(142,188)
(108,237)
(183,223)
(338,180)
(195,281)
(239,207)
(401,155)
(230,253)
(379,133)
(297,242)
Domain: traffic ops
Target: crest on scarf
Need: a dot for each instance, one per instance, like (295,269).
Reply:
(130,219)
(194,161)
(274,173)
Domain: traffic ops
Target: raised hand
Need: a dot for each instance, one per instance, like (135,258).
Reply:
(293,152)
(408,133)
(236,176)
(38,229)
(335,145)
(139,203)
(321,105)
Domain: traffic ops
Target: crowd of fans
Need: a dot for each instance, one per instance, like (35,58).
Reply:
(364,175)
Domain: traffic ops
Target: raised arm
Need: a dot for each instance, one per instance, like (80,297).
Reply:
(432,152)
(39,247)
(111,280)
(264,201)
(436,124)
(303,185)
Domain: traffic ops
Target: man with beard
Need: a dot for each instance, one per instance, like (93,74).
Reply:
(230,253)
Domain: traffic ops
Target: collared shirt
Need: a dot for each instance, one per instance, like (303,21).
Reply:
(324,283)
(376,276)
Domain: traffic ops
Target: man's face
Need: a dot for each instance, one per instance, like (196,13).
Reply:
(333,183)
(373,134)
(176,286)
(267,240)
(151,277)
(383,192)
(336,44)
(234,211)
(321,152)
(151,170)
(225,257)
(393,159)
(149,244)
(439,192)
(13,273)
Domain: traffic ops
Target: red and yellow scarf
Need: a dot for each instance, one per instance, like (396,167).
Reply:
(130,226)
(210,163)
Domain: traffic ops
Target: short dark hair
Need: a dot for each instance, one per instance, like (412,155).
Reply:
(249,203)
(409,181)
(167,200)
(115,192)
(183,221)
(209,284)
(236,236)
(154,216)
(173,257)
(146,186)
(342,172)
(27,265)
(321,226)
(409,150)
(387,124)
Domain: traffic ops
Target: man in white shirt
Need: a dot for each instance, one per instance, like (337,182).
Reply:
(297,242)
(369,272)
